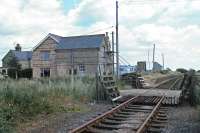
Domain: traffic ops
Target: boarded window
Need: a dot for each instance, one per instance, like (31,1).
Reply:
(45,55)
(45,72)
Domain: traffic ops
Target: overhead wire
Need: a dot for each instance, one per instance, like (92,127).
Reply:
(126,62)
(102,29)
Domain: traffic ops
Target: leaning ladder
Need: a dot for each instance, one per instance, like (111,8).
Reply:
(110,86)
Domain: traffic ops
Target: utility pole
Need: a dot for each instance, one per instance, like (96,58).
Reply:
(163,61)
(113,52)
(148,60)
(117,41)
(153,56)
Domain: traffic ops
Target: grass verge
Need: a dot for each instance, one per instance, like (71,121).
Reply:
(22,100)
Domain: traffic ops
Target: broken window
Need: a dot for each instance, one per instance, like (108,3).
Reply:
(70,72)
(75,71)
(45,72)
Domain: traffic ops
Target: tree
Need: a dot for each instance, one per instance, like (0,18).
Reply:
(14,67)
(168,69)
(13,63)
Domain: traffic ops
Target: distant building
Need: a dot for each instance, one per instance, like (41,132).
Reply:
(141,66)
(57,56)
(157,67)
(15,60)
(17,57)
(126,69)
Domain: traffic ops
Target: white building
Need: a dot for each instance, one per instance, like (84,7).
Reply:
(126,69)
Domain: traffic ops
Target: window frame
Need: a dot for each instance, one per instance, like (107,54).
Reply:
(82,68)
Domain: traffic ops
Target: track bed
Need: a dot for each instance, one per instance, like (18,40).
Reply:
(138,114)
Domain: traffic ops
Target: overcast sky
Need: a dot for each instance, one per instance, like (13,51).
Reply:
(173,25)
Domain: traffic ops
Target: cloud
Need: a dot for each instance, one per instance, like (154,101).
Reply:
(28,21)
(180,45)
(172,25)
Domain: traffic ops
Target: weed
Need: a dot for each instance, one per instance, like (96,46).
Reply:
(21,100)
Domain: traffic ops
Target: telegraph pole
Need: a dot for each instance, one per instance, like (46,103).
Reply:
(153,56)
(163,61)
(113,52)
(148,60)
(117,41)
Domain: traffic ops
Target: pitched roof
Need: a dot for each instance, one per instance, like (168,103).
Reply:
(72,42)
(22,55)
(55,37)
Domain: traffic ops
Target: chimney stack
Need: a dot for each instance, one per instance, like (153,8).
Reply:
(18,47)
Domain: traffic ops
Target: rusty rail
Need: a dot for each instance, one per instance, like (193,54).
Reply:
(146,123)
(175,82)
(94,121)
(142,128)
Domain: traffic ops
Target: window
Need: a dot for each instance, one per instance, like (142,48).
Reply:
(75,71)
(45,72)
(70,72)
(45,55)
(82,68)
(121,69)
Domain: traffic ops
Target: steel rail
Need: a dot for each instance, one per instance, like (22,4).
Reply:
(147,121)
(165,81)
(97,119)
(175,82)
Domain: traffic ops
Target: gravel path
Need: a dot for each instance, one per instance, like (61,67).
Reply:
(183,119)
(63,122)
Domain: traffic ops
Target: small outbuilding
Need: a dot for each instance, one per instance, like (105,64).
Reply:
(17,63)
(17,58)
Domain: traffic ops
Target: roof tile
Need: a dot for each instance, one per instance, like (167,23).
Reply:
(73,42)
(22,55)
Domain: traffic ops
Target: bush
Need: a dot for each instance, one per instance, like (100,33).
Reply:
(164,71)
(25,73)
(198,108)
(196,94)
(181,70)
(12,73)
(7,116)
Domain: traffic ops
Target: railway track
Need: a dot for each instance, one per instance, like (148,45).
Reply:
(139,114)
(171,83)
